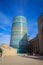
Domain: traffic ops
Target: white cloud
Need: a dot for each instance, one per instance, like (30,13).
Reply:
(5,21)
(2,27)
(4,38)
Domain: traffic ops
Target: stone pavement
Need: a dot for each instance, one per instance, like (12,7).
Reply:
(33,57)
(21,60)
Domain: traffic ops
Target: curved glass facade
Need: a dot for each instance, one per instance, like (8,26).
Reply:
(19,34)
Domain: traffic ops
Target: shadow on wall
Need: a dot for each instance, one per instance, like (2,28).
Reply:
(23,45)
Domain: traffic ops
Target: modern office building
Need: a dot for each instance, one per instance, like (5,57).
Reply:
(19,34)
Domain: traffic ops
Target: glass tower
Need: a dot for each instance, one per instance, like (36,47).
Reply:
(19,34)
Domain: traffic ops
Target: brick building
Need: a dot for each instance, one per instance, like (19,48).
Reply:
(36,44)
(40,33)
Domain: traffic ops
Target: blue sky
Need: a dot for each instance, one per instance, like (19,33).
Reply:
(31,9)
